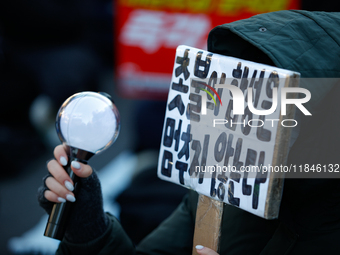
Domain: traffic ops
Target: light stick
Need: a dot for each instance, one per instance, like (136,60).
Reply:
(87,123)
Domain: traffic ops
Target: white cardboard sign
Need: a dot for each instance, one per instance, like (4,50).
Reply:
(207,148)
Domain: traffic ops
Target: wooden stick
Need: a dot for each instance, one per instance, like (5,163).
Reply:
(208,223)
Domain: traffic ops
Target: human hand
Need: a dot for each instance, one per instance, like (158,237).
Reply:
(205,250)
(60,185)
(88,220)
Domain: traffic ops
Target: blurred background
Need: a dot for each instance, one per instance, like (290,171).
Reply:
(51,50)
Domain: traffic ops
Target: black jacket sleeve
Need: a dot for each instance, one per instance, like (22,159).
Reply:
(173,236)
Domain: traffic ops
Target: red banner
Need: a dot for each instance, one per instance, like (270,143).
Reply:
(148,32)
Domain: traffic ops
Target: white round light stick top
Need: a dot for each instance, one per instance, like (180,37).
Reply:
(88,121)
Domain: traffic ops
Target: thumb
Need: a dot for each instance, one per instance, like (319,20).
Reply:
(205,250)
(80,169)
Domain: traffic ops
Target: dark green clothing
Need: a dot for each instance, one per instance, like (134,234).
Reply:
(307,42)
(309,219)
(175,235)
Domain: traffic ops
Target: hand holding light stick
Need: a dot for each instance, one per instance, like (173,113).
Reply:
(87,123)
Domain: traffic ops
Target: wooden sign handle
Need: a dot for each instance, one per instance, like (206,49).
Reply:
(208,223)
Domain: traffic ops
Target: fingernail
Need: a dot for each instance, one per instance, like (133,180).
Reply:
(199,247)
(70,198)
(63,161)
(75,164)
(61,200)
(69,185)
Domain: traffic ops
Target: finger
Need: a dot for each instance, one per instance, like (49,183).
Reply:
(205,250)
(59,190)
(59,173)
(52,197)
(80,169)
(60,154)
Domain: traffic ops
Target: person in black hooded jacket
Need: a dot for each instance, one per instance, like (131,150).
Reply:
(309,218)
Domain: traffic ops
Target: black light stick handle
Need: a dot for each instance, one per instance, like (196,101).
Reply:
(58,220)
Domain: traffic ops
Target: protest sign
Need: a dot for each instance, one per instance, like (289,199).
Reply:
(226,134)
(148,32)
(237,159)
